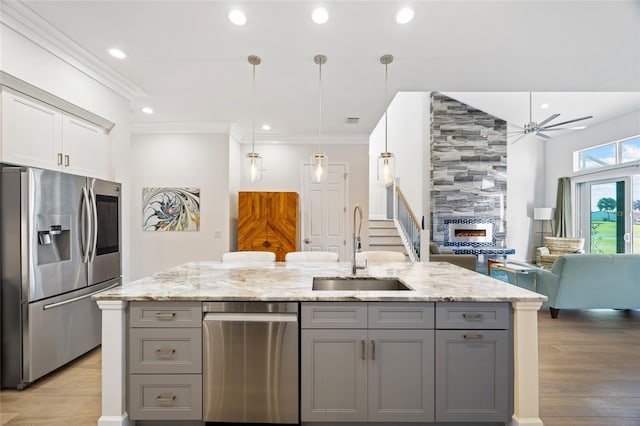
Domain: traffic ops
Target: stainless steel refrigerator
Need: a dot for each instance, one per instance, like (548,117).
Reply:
(60,244)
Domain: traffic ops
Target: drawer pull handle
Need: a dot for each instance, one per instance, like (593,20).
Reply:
(163,316)
(166,398)
(364,344)
(373,350)
(165,352)
(472,336)
(473,316)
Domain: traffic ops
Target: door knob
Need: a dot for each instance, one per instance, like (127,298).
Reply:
(307,241)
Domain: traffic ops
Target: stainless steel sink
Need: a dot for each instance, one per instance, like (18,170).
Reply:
(358,284)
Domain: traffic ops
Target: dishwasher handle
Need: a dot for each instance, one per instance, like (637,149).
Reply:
(250,317)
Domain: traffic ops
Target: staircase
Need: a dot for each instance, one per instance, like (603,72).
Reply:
(383,235)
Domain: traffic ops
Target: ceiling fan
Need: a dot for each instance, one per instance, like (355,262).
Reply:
(540,128)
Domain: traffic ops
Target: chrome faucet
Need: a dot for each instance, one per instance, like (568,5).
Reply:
(357,243)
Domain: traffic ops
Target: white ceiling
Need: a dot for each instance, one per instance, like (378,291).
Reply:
(192,62)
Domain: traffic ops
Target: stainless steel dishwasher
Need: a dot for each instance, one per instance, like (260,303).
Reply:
(250,362)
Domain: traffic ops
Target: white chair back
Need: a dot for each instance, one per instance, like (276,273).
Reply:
(380,257)
(248,256)
(311,256)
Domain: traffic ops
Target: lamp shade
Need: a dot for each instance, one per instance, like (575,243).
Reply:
(543,213)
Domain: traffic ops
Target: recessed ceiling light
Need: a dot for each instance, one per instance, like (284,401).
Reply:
(147,110)
(578,127)
(266,127)
(117,53)
(237,17)
(544,106)
(404,16)
(320,15)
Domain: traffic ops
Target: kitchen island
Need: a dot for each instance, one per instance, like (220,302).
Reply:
(280,282)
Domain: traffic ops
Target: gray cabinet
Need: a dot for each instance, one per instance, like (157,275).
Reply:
(473,362)
(165,361)
(380,369)
(333,375)
(400,376)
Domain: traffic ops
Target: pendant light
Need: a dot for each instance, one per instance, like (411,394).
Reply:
(386,158)
(253,159)
(319,161)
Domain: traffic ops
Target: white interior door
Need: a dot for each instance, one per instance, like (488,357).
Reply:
(324,211)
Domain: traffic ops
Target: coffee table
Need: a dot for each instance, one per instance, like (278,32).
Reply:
(520,271)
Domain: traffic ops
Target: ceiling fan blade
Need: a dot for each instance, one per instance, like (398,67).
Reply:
(548,119)
(542,135)
(567,122)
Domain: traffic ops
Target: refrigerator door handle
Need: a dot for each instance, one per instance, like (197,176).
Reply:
(94,228)
(86,226)
(75,299)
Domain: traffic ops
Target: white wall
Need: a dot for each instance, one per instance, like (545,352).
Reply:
(558,155)
(282,167)
(30,62)
(407,139)
(525,190)
(180,160)
(235,183)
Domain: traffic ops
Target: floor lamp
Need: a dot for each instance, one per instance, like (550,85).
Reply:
(542,225)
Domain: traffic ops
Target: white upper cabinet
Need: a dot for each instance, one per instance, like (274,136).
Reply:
(39,135)
(85,148)
(31,132)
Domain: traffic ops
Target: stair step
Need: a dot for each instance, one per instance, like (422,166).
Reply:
(385,239)
(386,247)
(381,222)
(382,231)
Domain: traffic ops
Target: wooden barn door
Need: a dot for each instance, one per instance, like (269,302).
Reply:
(268,221)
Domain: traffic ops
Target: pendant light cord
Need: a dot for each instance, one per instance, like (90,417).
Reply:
(320,103)
(386,107)
(253,111)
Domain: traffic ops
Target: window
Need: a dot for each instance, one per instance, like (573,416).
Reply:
(630,149)
(610,154)
(604,155)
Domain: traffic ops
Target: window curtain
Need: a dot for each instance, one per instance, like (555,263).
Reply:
(563,209)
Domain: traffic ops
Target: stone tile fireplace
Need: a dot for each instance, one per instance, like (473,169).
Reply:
(468,175)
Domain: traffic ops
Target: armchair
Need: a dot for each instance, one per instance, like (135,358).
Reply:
(554,247)
(467,261)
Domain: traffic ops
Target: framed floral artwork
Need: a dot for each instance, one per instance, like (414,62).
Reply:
(171,209)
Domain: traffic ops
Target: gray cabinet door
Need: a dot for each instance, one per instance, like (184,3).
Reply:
(401,374)
(333,375)
(472,375)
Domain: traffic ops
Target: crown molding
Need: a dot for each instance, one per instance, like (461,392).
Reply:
(175,127)
(293,139)
(17,16)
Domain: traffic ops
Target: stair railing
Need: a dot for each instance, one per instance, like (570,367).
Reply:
(408,226)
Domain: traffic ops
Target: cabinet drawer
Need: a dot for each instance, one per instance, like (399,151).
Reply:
(334,315)
(173,350)
(165,314)
(465,315)
(401,315)
(165,397)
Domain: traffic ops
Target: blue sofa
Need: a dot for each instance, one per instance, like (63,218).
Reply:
(584,281)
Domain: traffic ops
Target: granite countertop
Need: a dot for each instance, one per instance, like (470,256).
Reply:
(216,281)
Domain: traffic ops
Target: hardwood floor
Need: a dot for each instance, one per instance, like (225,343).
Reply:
(589,376)
(590,368)
(69,396)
